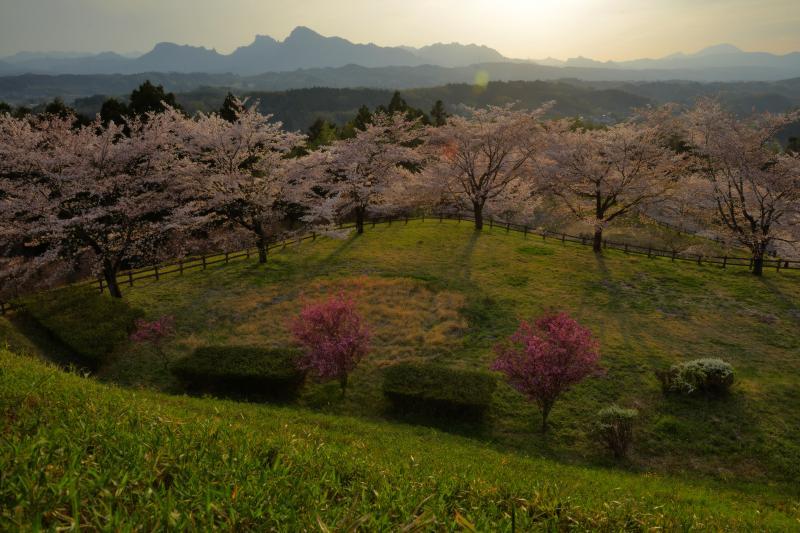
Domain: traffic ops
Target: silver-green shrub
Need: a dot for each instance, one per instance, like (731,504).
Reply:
(615,428)
(712,376)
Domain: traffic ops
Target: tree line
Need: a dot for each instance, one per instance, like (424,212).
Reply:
(148,182)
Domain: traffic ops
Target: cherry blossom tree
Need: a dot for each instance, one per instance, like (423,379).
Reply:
(544,359)
(478,157)
(372,169)
(751,185)
(600,175)
(154,333)
(242,174)
(334,336)
(25,200)
(103,193)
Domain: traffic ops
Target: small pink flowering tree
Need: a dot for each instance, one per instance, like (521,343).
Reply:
(334,336)
(544,359)
(154,333)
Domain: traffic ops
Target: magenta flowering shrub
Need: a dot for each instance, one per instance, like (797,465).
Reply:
(544,359)
(154,333)
(334,337)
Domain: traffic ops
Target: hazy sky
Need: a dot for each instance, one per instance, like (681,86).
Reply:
(602,29)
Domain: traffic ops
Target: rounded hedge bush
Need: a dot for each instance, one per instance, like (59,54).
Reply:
(251,372)
(437,390)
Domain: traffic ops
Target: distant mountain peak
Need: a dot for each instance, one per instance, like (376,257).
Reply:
(718,49)
(168,46)
(263,39)
(303,33)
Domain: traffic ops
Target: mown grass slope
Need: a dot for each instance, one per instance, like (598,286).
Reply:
(444,293)
(78,454)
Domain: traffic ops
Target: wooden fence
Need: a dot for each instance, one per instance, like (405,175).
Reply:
(130,277)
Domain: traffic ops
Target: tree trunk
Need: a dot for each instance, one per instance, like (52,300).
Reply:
(110,275)
(343,383)
(261,244)
(758,260)
(477,209)
(360,215)
(597,242)
(545,414)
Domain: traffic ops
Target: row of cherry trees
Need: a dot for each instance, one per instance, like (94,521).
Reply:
(114,195)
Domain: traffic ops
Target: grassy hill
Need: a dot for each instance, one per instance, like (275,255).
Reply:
(440,292)
(78,454)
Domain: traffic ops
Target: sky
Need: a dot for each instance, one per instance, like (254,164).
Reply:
(524,29)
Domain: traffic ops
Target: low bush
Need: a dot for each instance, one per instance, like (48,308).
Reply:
(615,428)
(242,371)
(710,376)
(87,322)
(438,390)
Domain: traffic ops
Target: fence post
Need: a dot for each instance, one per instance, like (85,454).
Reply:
(203,257)
(373,223)
(491,222)
(778,269)
(406,220)
(583,241)
(626,247)
(313,235)
(130,278)
(226,258)
(724,261)
(156,271)
(525,232)
(544,234)
(673,255)
(247,253)
(100,281)
(750,267)
(699,259)
(423,218)
(649,251)
(508,226)
(563,237)
(180,266)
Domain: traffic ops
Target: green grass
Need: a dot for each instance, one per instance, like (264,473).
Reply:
(65,313)
(439,292)
(78,454)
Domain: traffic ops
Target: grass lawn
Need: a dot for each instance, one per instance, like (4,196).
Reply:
(76,454)
(442,292)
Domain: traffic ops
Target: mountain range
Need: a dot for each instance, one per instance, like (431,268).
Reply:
(305,50)
(302,49)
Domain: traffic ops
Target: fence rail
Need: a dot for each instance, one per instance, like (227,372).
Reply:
(130,277)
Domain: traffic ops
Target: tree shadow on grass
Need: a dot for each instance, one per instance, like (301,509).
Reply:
(48,345)
(330,262)
(464,259)
(792,306)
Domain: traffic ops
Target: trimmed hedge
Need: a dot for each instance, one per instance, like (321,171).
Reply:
(89,323)
(242,371)
(710,376)
(428,388)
